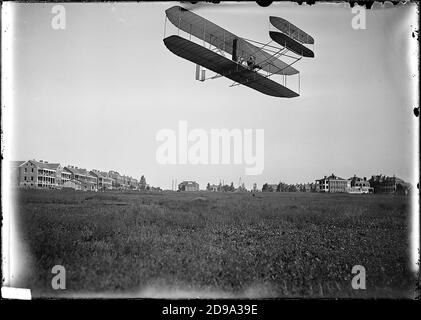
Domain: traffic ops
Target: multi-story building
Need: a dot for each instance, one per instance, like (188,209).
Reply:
(125,182)
(133,184)
(129,183)
(39,174)
(188,186)
(72,184)
(65,176)
(47,174)
(359,185)
(117,180)
(24,173)
(332,184)
(103,180)
(88,181)
(359,182)
(384,184)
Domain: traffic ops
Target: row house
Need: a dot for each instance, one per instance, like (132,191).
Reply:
(72,185)
(39,174)
(122,182)
(104,182)
(133,183)
(117,181)
(125,183)
(24,173)
(87,180)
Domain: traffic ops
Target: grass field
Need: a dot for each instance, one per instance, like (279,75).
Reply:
(216,244)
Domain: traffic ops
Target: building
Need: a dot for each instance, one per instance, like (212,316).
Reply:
(38,174)
(117,180)
(72,184)
(384,184)
(46,174)
(359,185)
(269,187)
(359,182)
(65,176)
(309,187)
(88,181)
(212,187)
(24,173)
(125,185)
(332,184)
(131,183)
(104,182)
(188,186)
(61,175)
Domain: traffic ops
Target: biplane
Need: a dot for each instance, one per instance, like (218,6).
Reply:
(246,62)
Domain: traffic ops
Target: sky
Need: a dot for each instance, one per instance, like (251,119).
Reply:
(96,94)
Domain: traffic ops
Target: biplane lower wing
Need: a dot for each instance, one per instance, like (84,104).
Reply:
(226,67)
(291,44)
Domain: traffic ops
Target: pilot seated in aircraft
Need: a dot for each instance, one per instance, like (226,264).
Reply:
(251,63)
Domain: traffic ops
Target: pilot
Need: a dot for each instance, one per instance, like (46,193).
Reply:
(250,62)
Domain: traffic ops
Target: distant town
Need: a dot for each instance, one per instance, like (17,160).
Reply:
(45,175)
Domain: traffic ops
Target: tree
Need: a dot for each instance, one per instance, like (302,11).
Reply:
(282,187)
(142,183)
(265,187)
(208,187)
(232,188)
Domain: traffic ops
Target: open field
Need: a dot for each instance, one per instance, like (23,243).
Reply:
(216,244)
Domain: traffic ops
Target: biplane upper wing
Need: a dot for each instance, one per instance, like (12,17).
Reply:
(291,30)
(226,67)
(222,39)
(291,44)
